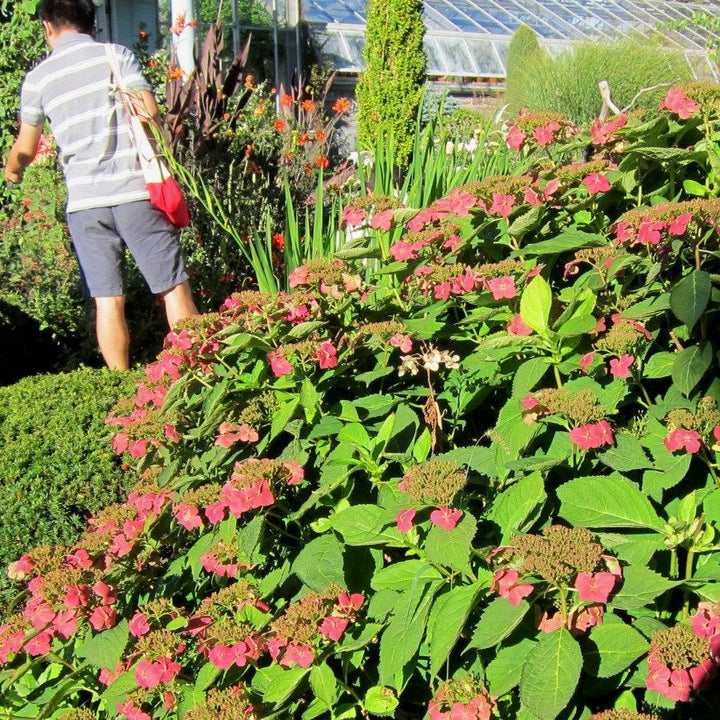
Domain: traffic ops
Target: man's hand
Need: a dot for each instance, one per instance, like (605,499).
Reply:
(13,177)
(22,152)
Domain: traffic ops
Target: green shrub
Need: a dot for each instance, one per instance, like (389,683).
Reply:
(22,43)
(390,90)
(524,47)
(568,83)
(56,465)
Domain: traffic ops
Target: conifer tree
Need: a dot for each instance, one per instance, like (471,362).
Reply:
(390,90)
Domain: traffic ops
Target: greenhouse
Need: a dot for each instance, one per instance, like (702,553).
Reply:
(469,38)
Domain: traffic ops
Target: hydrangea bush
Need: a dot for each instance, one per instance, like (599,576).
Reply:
(473,477)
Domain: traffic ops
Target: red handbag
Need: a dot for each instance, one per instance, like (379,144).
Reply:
(167,196)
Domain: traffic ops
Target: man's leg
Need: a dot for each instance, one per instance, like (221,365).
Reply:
(101,257)
(155,245)
(112,331)
(179,303)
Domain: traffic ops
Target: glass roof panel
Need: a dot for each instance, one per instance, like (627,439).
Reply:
(454,14)
(458,60)
(486,57)
(434,57)
(483,20)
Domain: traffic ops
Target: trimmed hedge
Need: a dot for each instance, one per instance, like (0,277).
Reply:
(56,464)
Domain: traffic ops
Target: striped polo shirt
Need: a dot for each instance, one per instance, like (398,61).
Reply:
(72,88)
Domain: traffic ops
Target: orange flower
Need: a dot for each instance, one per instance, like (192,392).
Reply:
(320,136)
(278,241)
(286,100)
(341,105)
(249,82)
(175,73)
(303,138)
(142,34)
(308,105)
(152,63)
(226,116)
(322,162)
(280,125)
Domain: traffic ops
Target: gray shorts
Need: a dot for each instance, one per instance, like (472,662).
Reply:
(100,235)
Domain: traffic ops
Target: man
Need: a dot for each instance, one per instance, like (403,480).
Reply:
(108,206)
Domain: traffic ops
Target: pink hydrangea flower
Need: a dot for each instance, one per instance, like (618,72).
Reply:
(326,355)
(505,584)
(279,363)
(502,287)
(679,225)
(586,361)
(592,435)
(353,216)
(103,617)
(545,134)
(596,182)
(595,587)
(403,342)
(298,277)
(445,517)
(688,440)
(139,625)
(678,102)
(382,220)
(404,520)
(502,205)
(515,139)
(517,327)
(620,367)
(333,627)
(301,655)
(188,516)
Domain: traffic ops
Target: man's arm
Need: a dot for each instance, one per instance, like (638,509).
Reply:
(22,152)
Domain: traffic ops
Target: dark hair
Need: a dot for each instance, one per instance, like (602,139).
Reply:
(78,14)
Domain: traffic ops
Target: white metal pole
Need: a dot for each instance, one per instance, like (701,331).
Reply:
(183,18)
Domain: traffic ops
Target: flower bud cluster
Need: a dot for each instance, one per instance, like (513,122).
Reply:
(500,195)
(434,239)
(322,272)
(579,407)
(622,714)
(601,258)
(226,704)
(680,661)
(77,714)
(539,129)
(306,626)
(464,698)
(666,222)
(559,561)
(689,431)
(434,483)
